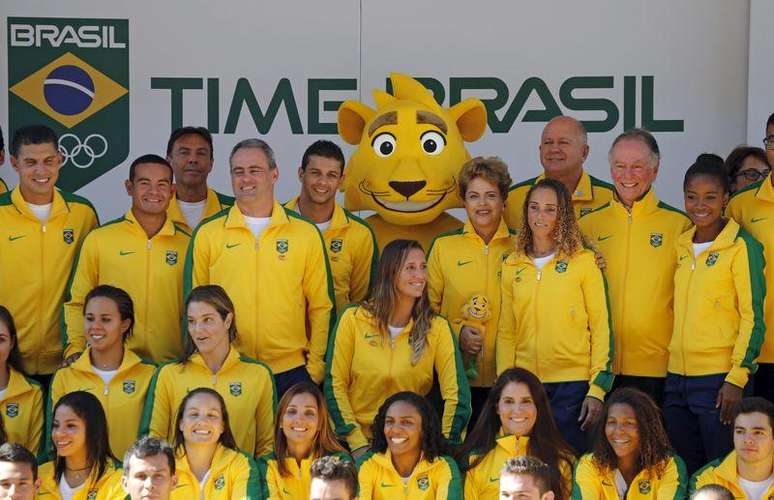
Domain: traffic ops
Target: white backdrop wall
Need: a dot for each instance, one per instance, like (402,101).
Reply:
(681,67)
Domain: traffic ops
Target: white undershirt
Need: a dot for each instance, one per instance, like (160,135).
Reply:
(394,331)
(323,226)
(105,375)
(42,212)
(256,224)
(2,393)
(201,485)
(698,248)
(405,480)
(542,261)
(620,485)
(755,489)
(66,491)
(192,211)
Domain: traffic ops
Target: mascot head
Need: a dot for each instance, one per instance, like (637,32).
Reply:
(410,151)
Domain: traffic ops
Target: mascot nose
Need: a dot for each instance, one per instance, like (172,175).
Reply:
(407,189)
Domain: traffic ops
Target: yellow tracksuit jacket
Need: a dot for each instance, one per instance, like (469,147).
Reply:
(281,285)
(215,202)
(352,255)
(363,368)
(590,193)
(482,482)
(149,270)
(233,476)
(106,487)
(296,485)
(718,306)
(123,399)
(460,265)
(591,483)
(753,209)
(246,385)
(723,472)
(556,322)
(35,262)
(436,480)
(23,409)
(638,247)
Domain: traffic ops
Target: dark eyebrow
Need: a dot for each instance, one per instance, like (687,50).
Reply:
(389,118)
(426,117)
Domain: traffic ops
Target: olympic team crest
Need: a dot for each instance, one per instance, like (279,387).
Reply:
(72,75)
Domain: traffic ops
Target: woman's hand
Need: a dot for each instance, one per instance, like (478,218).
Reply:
(590,412)
(72,358)
(471,341)
(729,396)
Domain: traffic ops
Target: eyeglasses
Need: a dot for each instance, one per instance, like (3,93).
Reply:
(752,175)
(768,142)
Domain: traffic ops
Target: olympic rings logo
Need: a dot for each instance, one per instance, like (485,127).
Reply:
(71,147)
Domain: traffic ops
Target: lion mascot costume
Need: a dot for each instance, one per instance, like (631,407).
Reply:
(408,158)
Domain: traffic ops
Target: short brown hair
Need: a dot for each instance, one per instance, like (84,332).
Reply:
(335,468)
(529,466)
(491,168)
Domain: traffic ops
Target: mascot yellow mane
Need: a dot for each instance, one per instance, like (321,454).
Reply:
(406,167)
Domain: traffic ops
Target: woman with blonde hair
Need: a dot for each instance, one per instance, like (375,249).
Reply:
(393,342)
(554,318)
(302,434)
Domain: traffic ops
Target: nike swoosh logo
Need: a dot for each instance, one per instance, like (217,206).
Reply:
(370,335)
(124,252)
(757,219)
(603,238)
(463,262)
(14,238)
(494,479)
(519,270)
(232,245)
(384,485)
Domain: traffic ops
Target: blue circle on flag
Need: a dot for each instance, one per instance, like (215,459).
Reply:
(69,90)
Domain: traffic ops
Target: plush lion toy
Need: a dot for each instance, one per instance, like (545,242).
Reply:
(409,155)
(475,313)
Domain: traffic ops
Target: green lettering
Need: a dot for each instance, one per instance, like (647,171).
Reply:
(590,104)
(243,95)
(314,87)
(550,110)
(213,105)
(650,123)
(457,85)
(630,103)
(176,86)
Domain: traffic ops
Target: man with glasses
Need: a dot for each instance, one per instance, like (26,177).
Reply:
(753,209)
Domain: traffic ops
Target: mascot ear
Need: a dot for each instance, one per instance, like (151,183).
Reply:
(352,119)
(470,116)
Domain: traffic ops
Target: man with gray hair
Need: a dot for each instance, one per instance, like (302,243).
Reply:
(272,263)
(149,470)
(636,234)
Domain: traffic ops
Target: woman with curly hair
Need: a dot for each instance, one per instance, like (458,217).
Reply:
(393,342)
(631,456)
(515,420)
(407,459)
(554,318)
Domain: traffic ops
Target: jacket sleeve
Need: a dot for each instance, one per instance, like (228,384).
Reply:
(338,377)
(586,481)
(750,283)
(674,482)
(364,263)
(597,306)
(265,478)
(450,481)
(84,277)
(35,440)
(158,411)
(197,262)
(455,390)
(264,414)
(505,344)
(56,391)
(244,480)
(321,305)
(471,487)
(366,479)
(435,281)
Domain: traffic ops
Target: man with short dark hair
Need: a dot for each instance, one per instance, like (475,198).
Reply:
(753,208)
(143,253)
(41,229)
(563,150)
(525,478)
(272,263)
(350,243)
(190,152)
(149,469)
(18,472)
(748,471)
(333,479)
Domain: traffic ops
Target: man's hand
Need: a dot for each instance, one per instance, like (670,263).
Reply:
(471,341)
(590,412)
(72,358)
(729,396)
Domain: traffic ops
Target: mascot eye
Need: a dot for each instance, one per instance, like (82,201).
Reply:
(383,144)
(432,143)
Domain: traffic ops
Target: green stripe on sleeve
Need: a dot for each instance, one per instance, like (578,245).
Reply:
(605,379)
(463,410)
(342,428)
(455,485)
(756,263)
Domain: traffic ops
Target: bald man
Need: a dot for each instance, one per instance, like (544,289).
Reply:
(563,149)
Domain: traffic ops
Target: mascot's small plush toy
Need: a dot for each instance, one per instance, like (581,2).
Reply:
(474,314)
(409,155)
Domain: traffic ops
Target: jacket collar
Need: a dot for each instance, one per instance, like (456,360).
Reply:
(168,229)
(17,384)
(583,191)
(58,204)
(470,232)
(231,359)
(641,207)
(236,219)
(385,460)
(220,460)
(766,190)
(339,218)
(212,205)
(83,363)
(513,445)
(725,239)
